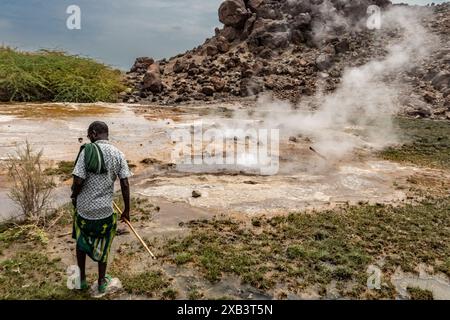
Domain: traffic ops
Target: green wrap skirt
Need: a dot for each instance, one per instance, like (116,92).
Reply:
(94,237)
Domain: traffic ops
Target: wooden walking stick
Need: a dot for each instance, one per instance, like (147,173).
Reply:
(134,231)
(314,150)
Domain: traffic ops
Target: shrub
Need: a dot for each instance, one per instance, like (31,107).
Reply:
(31,187)
(55,76)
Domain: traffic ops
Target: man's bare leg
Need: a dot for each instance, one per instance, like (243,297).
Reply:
(81,260)
(101,272)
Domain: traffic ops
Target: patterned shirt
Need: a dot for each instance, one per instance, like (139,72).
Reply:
(95,199)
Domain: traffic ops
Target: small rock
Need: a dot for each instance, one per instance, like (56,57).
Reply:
(208,90)
(211,50)
(429,97)
(196,194)
(324,61)
(441,80)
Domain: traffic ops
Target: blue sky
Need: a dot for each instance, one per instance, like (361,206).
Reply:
(113,31)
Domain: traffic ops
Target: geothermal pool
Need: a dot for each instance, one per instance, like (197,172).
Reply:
(303,179)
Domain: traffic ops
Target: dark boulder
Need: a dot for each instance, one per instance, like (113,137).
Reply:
(152,79)
(141,64)
(441,80)
(211,50)
(253,5)
(230,33)
(208,90)
(180,66)
(222,44)
(233,13)
(342,46)
(324,61)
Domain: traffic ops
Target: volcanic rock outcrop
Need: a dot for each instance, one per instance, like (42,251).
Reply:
(290,48)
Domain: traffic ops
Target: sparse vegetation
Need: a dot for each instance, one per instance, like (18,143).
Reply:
(64,169)
(31,188)
(170,294)
(55,76)
(426,143)
(24,232)
(148,283)
(295,251)
(32,275)
(194,293)
(300,250)
(420,294)
(142,209)
(183,258)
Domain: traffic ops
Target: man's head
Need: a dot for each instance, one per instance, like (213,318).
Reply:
(98,130)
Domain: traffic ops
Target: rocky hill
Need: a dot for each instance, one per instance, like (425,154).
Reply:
(293,48)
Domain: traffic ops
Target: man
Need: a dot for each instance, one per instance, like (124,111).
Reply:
(98,165)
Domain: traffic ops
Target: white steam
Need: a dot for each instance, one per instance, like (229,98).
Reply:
(359,113)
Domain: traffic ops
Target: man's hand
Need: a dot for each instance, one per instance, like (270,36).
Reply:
(125,215)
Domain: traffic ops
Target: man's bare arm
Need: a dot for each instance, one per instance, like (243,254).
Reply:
(77,186)
(125,187)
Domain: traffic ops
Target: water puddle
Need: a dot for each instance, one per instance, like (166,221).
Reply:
(53,110)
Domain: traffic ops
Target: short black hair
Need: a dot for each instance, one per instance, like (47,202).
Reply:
(99,127)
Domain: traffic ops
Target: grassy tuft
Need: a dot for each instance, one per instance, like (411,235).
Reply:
(64,170)
(182,258)
(426,143)
(420,294)
(148,283)
(55,76)
(170,294)
(195,294)
(141,208)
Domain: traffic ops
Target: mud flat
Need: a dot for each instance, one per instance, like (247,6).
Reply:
(303,179)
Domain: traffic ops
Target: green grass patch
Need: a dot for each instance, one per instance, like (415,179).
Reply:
(30,232)
(300,250)
(55,76)
(420,294)
(170,294)
(182,258)
(426,143)
(31,275)
(194,293)
(149,283)
(64,169)
(141,208)
(21,233)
